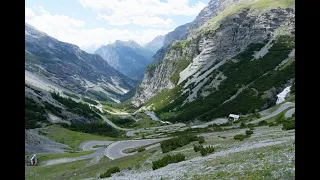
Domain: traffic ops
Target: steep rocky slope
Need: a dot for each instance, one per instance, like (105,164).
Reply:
(182,32)
(68,66)
(243,53)
(211,10)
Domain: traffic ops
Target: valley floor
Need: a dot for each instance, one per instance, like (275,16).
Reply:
(268,153)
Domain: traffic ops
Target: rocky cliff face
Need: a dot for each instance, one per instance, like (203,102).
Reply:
(68,66)
(224,33)
(211,10)
(182,32)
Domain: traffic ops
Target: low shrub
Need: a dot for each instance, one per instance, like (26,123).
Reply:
(201,139)
(206,150)
(174,143)
(287,125)
(239,137)
(103,129)
(141,149)
(168,159)
(249,132)
(110,172)
(263,123)
(250,125)
(273,124)
(243,125)
(197,147)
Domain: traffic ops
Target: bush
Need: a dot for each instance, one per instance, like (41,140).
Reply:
(239,137)
(90,101)
(53,109)
(103,129)
(76,107)
(110,172)
(250,125)
(168,159)
(201,139)
(273,124)
(263,123)
(243,125)
(287,125)
(249,132)
(34,114)
(122,122)
(174,143)
(197,147)
(293,89)
(141,149)
(206,150)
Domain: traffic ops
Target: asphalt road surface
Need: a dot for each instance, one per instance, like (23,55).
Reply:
(99,152)
(290,112)
(88,145)
(114,151)
(113,125)
(274,113)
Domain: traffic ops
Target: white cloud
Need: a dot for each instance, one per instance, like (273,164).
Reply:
(73,31)
(141,12)
(45,20)
(29,14)
(146,21)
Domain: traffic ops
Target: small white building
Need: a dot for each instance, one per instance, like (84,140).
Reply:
(234,117)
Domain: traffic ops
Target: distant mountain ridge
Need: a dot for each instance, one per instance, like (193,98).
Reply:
(68,66)
(128,57)
(155,44)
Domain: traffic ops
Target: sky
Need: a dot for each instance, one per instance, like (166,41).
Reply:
(98,22)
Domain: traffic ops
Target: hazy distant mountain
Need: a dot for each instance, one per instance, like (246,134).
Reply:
(155,44)
(91,48)
(128,57)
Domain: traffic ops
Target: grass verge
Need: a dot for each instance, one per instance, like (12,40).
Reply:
(71,138)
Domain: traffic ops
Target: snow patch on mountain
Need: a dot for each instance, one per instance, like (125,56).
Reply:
(281,96)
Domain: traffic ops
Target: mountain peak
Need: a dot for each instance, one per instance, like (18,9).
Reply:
(130,43)
(32,31)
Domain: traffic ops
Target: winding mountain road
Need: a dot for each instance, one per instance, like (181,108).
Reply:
(99,152)
(215,121)
(113,125)
(283,107)
(88,145)
(290,112)
(114,151)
